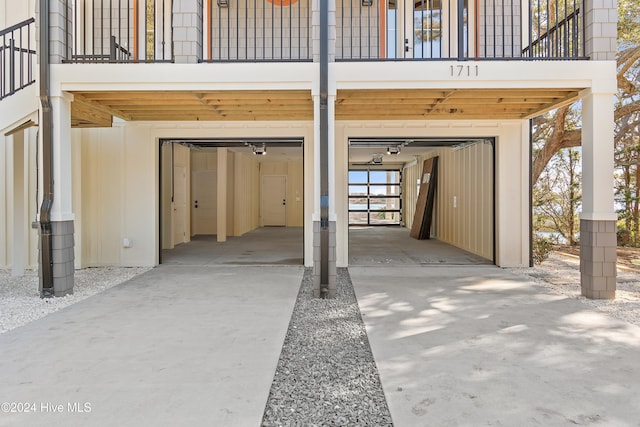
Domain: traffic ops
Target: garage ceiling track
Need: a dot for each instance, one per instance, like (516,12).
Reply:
(97,108)
(238,142)
(377,142)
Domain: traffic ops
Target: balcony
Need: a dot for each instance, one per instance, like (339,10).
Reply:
(120,31)
(458,29)
(123,31)
(17,57)
(259,30)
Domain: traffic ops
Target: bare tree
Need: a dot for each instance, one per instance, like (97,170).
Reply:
(558,197)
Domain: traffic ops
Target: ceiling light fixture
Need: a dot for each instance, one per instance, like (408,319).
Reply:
(393,150)
(367,2)
(223,3)
(259,150)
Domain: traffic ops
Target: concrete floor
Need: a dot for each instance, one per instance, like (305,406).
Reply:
(262,246)
(176,346)
(284,246)
(476,345)
(394,246)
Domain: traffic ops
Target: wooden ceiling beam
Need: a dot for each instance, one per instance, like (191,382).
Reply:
(111,111)
(86,115)
(210,117)
(432,117)
(552,106)
(459,93)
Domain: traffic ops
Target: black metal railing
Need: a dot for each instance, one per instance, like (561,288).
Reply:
(121,31)
(358,27)
(281,30)
(260,30)
(116,53)
(17,57)
(459,29)
(556,32)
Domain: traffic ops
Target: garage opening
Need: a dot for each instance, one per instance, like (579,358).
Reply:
(385,181)
(232,201)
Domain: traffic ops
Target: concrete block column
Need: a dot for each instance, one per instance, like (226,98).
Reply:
(598,217)
(598,259)
(317,260)
(601,32)
(63,257)
(60,30)
(315,30)
(187,31)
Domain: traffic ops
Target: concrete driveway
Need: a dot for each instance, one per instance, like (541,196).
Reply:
(477,345)
(176,346)
(199,345)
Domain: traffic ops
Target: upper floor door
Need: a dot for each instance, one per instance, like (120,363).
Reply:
(431,28)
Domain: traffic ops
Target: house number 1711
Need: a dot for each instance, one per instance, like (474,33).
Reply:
(464,70)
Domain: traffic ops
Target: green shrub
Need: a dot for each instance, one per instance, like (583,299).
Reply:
(542,247)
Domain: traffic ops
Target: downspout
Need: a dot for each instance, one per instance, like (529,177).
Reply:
(461,40)
(46,248)
(324,149)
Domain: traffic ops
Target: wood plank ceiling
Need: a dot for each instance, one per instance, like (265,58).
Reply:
(189,105)
(96,109)
(454,104)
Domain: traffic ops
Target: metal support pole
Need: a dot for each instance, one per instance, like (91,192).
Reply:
(12,65)
(46,247)
(324,149)
(461,30)
(113,46)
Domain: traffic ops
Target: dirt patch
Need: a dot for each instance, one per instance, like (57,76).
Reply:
(629,257)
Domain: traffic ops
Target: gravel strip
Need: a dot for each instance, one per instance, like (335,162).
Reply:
(326,375)
(561,275)
(20,301)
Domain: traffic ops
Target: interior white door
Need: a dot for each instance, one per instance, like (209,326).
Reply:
(204,193)
(274,200)
(179,205)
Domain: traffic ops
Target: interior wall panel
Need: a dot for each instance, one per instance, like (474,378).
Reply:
(165,187)
(464,212)
(231,193)
(295,180)
(246,194)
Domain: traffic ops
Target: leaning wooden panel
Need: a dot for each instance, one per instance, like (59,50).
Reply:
(424,206)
